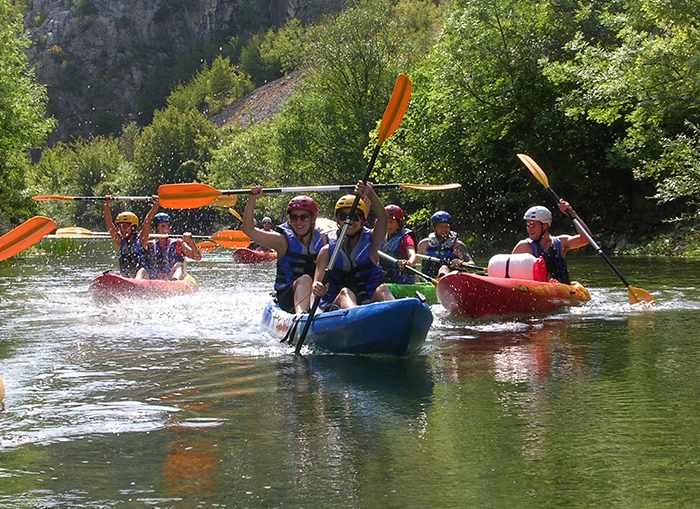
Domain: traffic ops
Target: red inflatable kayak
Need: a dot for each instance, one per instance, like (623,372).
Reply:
(245,255)
(111,287)
(475,296)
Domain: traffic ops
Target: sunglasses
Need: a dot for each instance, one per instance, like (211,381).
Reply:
(299,217)
(342,216)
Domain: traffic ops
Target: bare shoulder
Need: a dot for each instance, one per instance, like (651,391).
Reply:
(522,247)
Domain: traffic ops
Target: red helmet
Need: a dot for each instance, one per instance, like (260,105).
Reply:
(395,212)
(302,202)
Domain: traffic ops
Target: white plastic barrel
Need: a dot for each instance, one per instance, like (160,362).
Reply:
(518,266)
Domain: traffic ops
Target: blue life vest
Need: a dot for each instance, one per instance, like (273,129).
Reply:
(392,274)
(299,259)
(445,250)
(131,256)
(161,260)
(355,270)
(553,258)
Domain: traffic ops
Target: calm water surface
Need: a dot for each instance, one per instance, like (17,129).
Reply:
(183,402)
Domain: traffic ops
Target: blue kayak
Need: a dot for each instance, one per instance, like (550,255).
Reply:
(396,327)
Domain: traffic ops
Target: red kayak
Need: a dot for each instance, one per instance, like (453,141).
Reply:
(245,255)
(112,287)
(476,296)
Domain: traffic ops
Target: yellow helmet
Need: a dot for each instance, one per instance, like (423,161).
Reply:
(127,217)
(347,201)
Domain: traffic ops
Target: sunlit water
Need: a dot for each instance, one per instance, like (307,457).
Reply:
(183,402)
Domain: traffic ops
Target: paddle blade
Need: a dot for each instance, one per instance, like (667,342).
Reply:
(430,187)
(231,239)
(639,296)
(186,196)
(47,197)
(76,232)
(236,214)
(326,225)
(207,246)
(224,201)
(25,235)
(395,110)
(535,169)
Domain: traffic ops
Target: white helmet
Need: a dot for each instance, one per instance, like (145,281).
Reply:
(538,213)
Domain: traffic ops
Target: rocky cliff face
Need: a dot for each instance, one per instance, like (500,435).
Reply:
(98,57)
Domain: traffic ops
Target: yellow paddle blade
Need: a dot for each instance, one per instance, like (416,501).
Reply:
(430,187)
(76,232)
(25,235)
(207,246)
(535,169)
(236,214)
(231,239)
(326,225)
(47,197)
(396,108)
(186,196)
(224,201)
(639,296)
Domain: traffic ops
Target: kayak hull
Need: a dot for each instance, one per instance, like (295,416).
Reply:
(396,327)
(245,255)
(476,296)
(409,290)
(112,287)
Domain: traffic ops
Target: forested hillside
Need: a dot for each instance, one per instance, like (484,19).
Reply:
(604,95)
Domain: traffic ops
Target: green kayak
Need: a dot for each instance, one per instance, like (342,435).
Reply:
(427,289)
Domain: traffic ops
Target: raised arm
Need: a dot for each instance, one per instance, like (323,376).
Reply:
(272,239)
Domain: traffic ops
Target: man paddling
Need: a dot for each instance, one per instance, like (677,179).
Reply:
(297,242)
(356,277)
(542,243)
(443,243)
(267,226)
(131,242)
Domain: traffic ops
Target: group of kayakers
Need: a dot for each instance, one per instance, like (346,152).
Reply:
(304,251)
(140,257)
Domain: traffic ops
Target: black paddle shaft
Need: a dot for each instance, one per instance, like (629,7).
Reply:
(336,252)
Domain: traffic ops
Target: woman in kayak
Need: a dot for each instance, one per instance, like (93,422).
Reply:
(166,256)
(356,277)
(444,244)
(267,226)
(400,243)
(132,244)
(541,243)
(297,242)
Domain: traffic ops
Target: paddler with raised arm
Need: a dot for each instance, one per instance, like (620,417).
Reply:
(166,257)
(297,242)
(131,242)
(541,243)
(356,278)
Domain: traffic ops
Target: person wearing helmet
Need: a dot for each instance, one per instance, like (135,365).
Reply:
(166,257)
(297,242)
(541,243)
(131,242)
(267,226)
(444,244)
(400,243)
(356,277)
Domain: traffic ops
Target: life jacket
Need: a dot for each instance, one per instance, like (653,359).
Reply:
(445,250)
(299,259)
(390,246)
(131,256)
(553,258)
(355,270)
(162,259)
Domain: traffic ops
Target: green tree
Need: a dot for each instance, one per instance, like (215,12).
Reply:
(23,125)
(174,138)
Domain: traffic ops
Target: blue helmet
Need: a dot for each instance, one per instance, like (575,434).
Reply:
(441,217)
(161,217)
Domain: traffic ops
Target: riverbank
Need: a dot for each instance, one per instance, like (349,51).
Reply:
(683,240)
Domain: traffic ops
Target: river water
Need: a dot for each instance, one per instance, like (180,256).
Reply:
(184,403)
